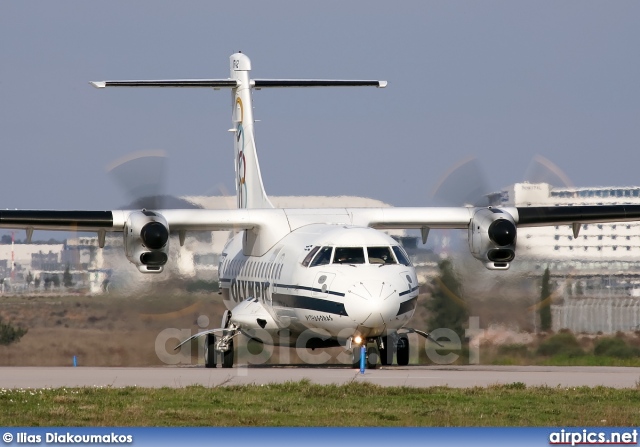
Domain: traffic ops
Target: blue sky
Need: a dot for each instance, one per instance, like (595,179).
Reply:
(499,80)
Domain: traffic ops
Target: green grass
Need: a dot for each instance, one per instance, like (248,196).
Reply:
(305,404)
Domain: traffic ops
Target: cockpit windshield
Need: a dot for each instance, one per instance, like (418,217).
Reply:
(323,257)
(383,255)
(310,256)
(380,255)
(401,255)
(349,255)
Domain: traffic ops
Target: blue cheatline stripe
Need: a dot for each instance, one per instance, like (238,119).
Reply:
(306,302)
(408,305)
(311,289)
(408,291)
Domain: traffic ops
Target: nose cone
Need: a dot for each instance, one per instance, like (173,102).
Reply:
(373,303)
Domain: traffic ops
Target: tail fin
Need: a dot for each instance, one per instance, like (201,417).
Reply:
(250,191)
(249,188)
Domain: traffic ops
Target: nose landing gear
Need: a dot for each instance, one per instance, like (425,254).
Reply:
(398,344)
(384,348)
(371,357)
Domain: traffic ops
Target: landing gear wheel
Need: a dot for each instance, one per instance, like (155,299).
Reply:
(372,357)
(402,353)
(210,354)
(227,356)
(355,359)
(386,353)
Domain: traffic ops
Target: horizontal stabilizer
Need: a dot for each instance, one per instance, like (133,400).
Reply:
(269,83)
(232,83)
(208,83)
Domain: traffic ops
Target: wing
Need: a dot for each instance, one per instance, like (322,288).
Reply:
(461,217)
(492,231)
(145,233)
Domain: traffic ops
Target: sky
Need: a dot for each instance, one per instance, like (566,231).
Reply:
(498,80)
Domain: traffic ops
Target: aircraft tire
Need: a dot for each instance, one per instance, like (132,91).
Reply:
(355,358)
(372,357)
(386,353)
(210,357)
(227,356)
(402,353)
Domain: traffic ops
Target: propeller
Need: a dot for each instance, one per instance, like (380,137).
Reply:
(142,177)
(541,170)
(466,183)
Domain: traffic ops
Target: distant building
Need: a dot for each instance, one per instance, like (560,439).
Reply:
(31,257)
(596,243)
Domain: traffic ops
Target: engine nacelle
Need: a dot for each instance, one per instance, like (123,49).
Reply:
(492,238)
(146,241)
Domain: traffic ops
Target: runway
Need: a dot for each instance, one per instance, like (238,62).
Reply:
(413,376)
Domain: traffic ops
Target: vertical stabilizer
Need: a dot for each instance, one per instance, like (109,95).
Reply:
(249,188)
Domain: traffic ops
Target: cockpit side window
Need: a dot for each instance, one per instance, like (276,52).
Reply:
(349,255)
(309,257)
(323,257)
(380,255)
(401,255)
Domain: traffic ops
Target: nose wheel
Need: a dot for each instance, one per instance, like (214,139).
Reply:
(371,357)
(402,351)
(389,345)
(386,352)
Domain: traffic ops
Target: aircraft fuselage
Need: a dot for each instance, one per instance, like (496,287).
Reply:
(327,282)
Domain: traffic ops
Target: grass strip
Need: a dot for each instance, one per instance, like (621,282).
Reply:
(306,404)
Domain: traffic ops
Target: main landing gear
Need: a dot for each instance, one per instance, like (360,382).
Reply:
(210,353)
(221,347)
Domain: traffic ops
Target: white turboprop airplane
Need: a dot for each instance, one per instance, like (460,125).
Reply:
(326,275)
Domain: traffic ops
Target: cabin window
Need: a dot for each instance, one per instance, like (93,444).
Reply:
(309,257)
(402,256)
(349,255)
(323,257)
(380,255)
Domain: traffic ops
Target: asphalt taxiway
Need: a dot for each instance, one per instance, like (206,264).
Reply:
(415,376)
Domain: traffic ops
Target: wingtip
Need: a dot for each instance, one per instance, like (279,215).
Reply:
(100,84)
(382,84)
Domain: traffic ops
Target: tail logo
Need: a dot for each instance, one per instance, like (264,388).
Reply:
(241,166)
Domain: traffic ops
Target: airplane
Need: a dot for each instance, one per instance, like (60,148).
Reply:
(319,278)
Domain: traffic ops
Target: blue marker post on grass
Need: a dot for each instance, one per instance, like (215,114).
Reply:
(363,355)
(75,361)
